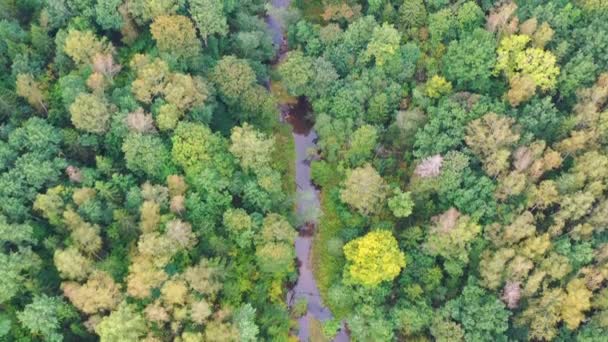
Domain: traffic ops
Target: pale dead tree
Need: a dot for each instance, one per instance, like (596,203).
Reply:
(177,204)
(140,122)
(429,167)
(522,158)
(103,63)
(502,18)
(511,294)
(74,174)
(446,221)
(181,233)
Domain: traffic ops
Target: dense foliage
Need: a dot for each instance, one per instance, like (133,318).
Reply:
(472,132)
(142,194)
(147,186)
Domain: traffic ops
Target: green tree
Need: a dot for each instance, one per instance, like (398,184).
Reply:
(469,62)
(252,148)
(232,77)
(146,10)
(175,37)
(43,317)
(401,203)
(146,154)
(384,44)
(297,72)
(362,144)
(364,190)
(107,14)
(412,14)
(90,113)
(123,325)
(209,17)
(482,315)
(195,147)
(451,238)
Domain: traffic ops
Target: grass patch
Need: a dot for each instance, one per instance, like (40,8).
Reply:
(327,267)
(315,331)
(284,157)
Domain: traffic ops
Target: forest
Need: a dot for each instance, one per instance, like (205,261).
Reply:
(148,170)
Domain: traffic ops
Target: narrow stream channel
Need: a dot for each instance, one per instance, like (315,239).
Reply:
(307,199)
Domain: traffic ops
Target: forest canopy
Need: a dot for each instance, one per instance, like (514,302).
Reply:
(148,169)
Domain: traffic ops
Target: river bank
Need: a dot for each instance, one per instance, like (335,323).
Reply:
(307,207)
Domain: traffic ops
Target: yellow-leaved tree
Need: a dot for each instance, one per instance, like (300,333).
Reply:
(525,67)
(374,258)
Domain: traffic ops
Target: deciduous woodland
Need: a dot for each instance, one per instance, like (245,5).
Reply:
(148,174)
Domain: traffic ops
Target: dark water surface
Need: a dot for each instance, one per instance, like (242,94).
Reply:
(307,201)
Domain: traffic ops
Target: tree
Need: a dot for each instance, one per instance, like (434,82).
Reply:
(451,238)
(401,204)
(168,117)
(412,14)
(362,144)
(519,64)
(185,91)
(297,72)
(209,17)
(252,148)
(43,316)
(441,25)
(175,36)
(194,146)
(239,225)
(206,278)
(275,258)
(31,90)
(274,252)
(232,77)
(482,315)
(123,325)
(83,46)
(576,301)
(364,190)
(146,10)
(174,292)
(445,330)
(107,14)
(522,88)
(143,276)
(437,86)
(543,314)
(383,45)
(90,113)
(181,234)
(374,258)
(140,122)
(100,293)
(469,16)
(245,321)
(151,77)
(149,216)
(490,137)
(146,154)
(72,264)
(469,62)
(84,234)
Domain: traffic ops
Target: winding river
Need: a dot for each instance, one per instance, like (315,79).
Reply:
(307,198)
